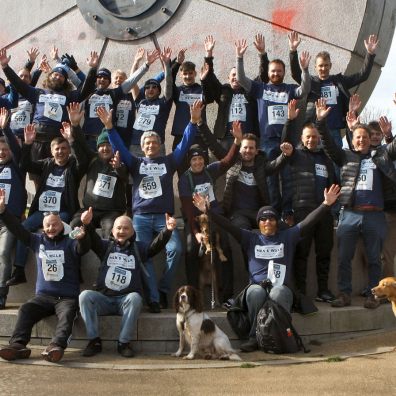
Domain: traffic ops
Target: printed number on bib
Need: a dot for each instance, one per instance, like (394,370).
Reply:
(276,273)
(104,185)
(150,187)
(53,111)
(277,114)
(122,113)
(117,278)
(49,201)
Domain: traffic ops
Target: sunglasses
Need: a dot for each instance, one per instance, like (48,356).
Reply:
(271,218)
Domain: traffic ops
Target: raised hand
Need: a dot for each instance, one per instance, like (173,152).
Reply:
(66,131)
(115,162)
(331,194)
(86,217)
(4,115)
(354,103)
(322,110)
(166,55)
(209,44)
(44,66)
(2,200)
(200,202)
(240,48)
(371,44)
(304,60)
(196,111)
(152,56)
(287,149)
(351,119)
(181,56)
(294,41)
(33,53)
(29,133)
(385,125)
(75,112)
(259,43)
(237,131)
(292,111)
(204,71)
(93,59)
(105,116)
(170,222)
(4,59)
(54,54)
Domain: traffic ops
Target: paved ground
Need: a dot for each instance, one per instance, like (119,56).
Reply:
(323,371)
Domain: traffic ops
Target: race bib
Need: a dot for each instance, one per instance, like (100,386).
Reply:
(49,201)
(276,273)
(189,98)
(237,108)
(277,114)
(247,178)
(7,188)
(122,113)
(117,278)
(20,117)
(5,173)
(365,178)
(104,185)
(330,93)
(150,187)
(96,101)
(269,252)
(52,264)
(53,106)
(55,181)
(277,97)
(321,170)
(144,122)
(121,260)
(205,189)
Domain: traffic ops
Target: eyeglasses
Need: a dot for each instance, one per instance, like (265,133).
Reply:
(151,86)
(55,213)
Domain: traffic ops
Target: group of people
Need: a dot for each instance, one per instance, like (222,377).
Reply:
(279,178)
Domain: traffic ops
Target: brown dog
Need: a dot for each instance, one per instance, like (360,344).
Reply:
(386,288)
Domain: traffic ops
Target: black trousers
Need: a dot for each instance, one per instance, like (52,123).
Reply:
(40,307)
(322,234)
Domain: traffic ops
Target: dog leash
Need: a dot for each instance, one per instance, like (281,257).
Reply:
(212,264)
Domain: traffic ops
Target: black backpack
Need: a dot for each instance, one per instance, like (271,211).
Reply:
(275,332)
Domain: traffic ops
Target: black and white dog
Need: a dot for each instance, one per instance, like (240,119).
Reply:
(201,333)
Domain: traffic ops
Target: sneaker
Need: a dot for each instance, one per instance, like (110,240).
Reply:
(163,300)
(154,307)
(125,349)
(343,300)
(371,302)
(53,353)
(93,347)
(249,346)
(14,351)
(17,277)
(325,296)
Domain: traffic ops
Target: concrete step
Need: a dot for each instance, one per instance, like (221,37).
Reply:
(156,333)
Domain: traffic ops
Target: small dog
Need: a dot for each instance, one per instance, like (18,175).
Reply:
(201,333)
(386,288)
(203,221)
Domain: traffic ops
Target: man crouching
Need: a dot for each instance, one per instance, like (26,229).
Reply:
(57,284)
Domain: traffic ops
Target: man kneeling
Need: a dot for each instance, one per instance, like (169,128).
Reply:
(119,283)
(57,284)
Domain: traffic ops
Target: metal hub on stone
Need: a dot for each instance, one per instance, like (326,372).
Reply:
(127,19)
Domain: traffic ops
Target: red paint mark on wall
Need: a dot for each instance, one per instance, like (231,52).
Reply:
(283,18)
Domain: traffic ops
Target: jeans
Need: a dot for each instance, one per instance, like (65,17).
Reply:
(280,184)
(7,242)
(40,307)
(33,223)
(255,299)
(147,226)
(372,227)
(94,304)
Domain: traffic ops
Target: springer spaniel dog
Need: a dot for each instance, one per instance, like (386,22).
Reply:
(201,333)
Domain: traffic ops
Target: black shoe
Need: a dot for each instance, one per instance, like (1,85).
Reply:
(249,346)
(53,353)
(93,347)
(325,296)
(14,351)
(125,349)
(3,300)
(163,300)
(17,277)
(154,307)
(366,292)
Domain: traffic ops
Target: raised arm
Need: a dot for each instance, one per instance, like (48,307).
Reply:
(294,42)
(240,49)
(305,86)
(166,60)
